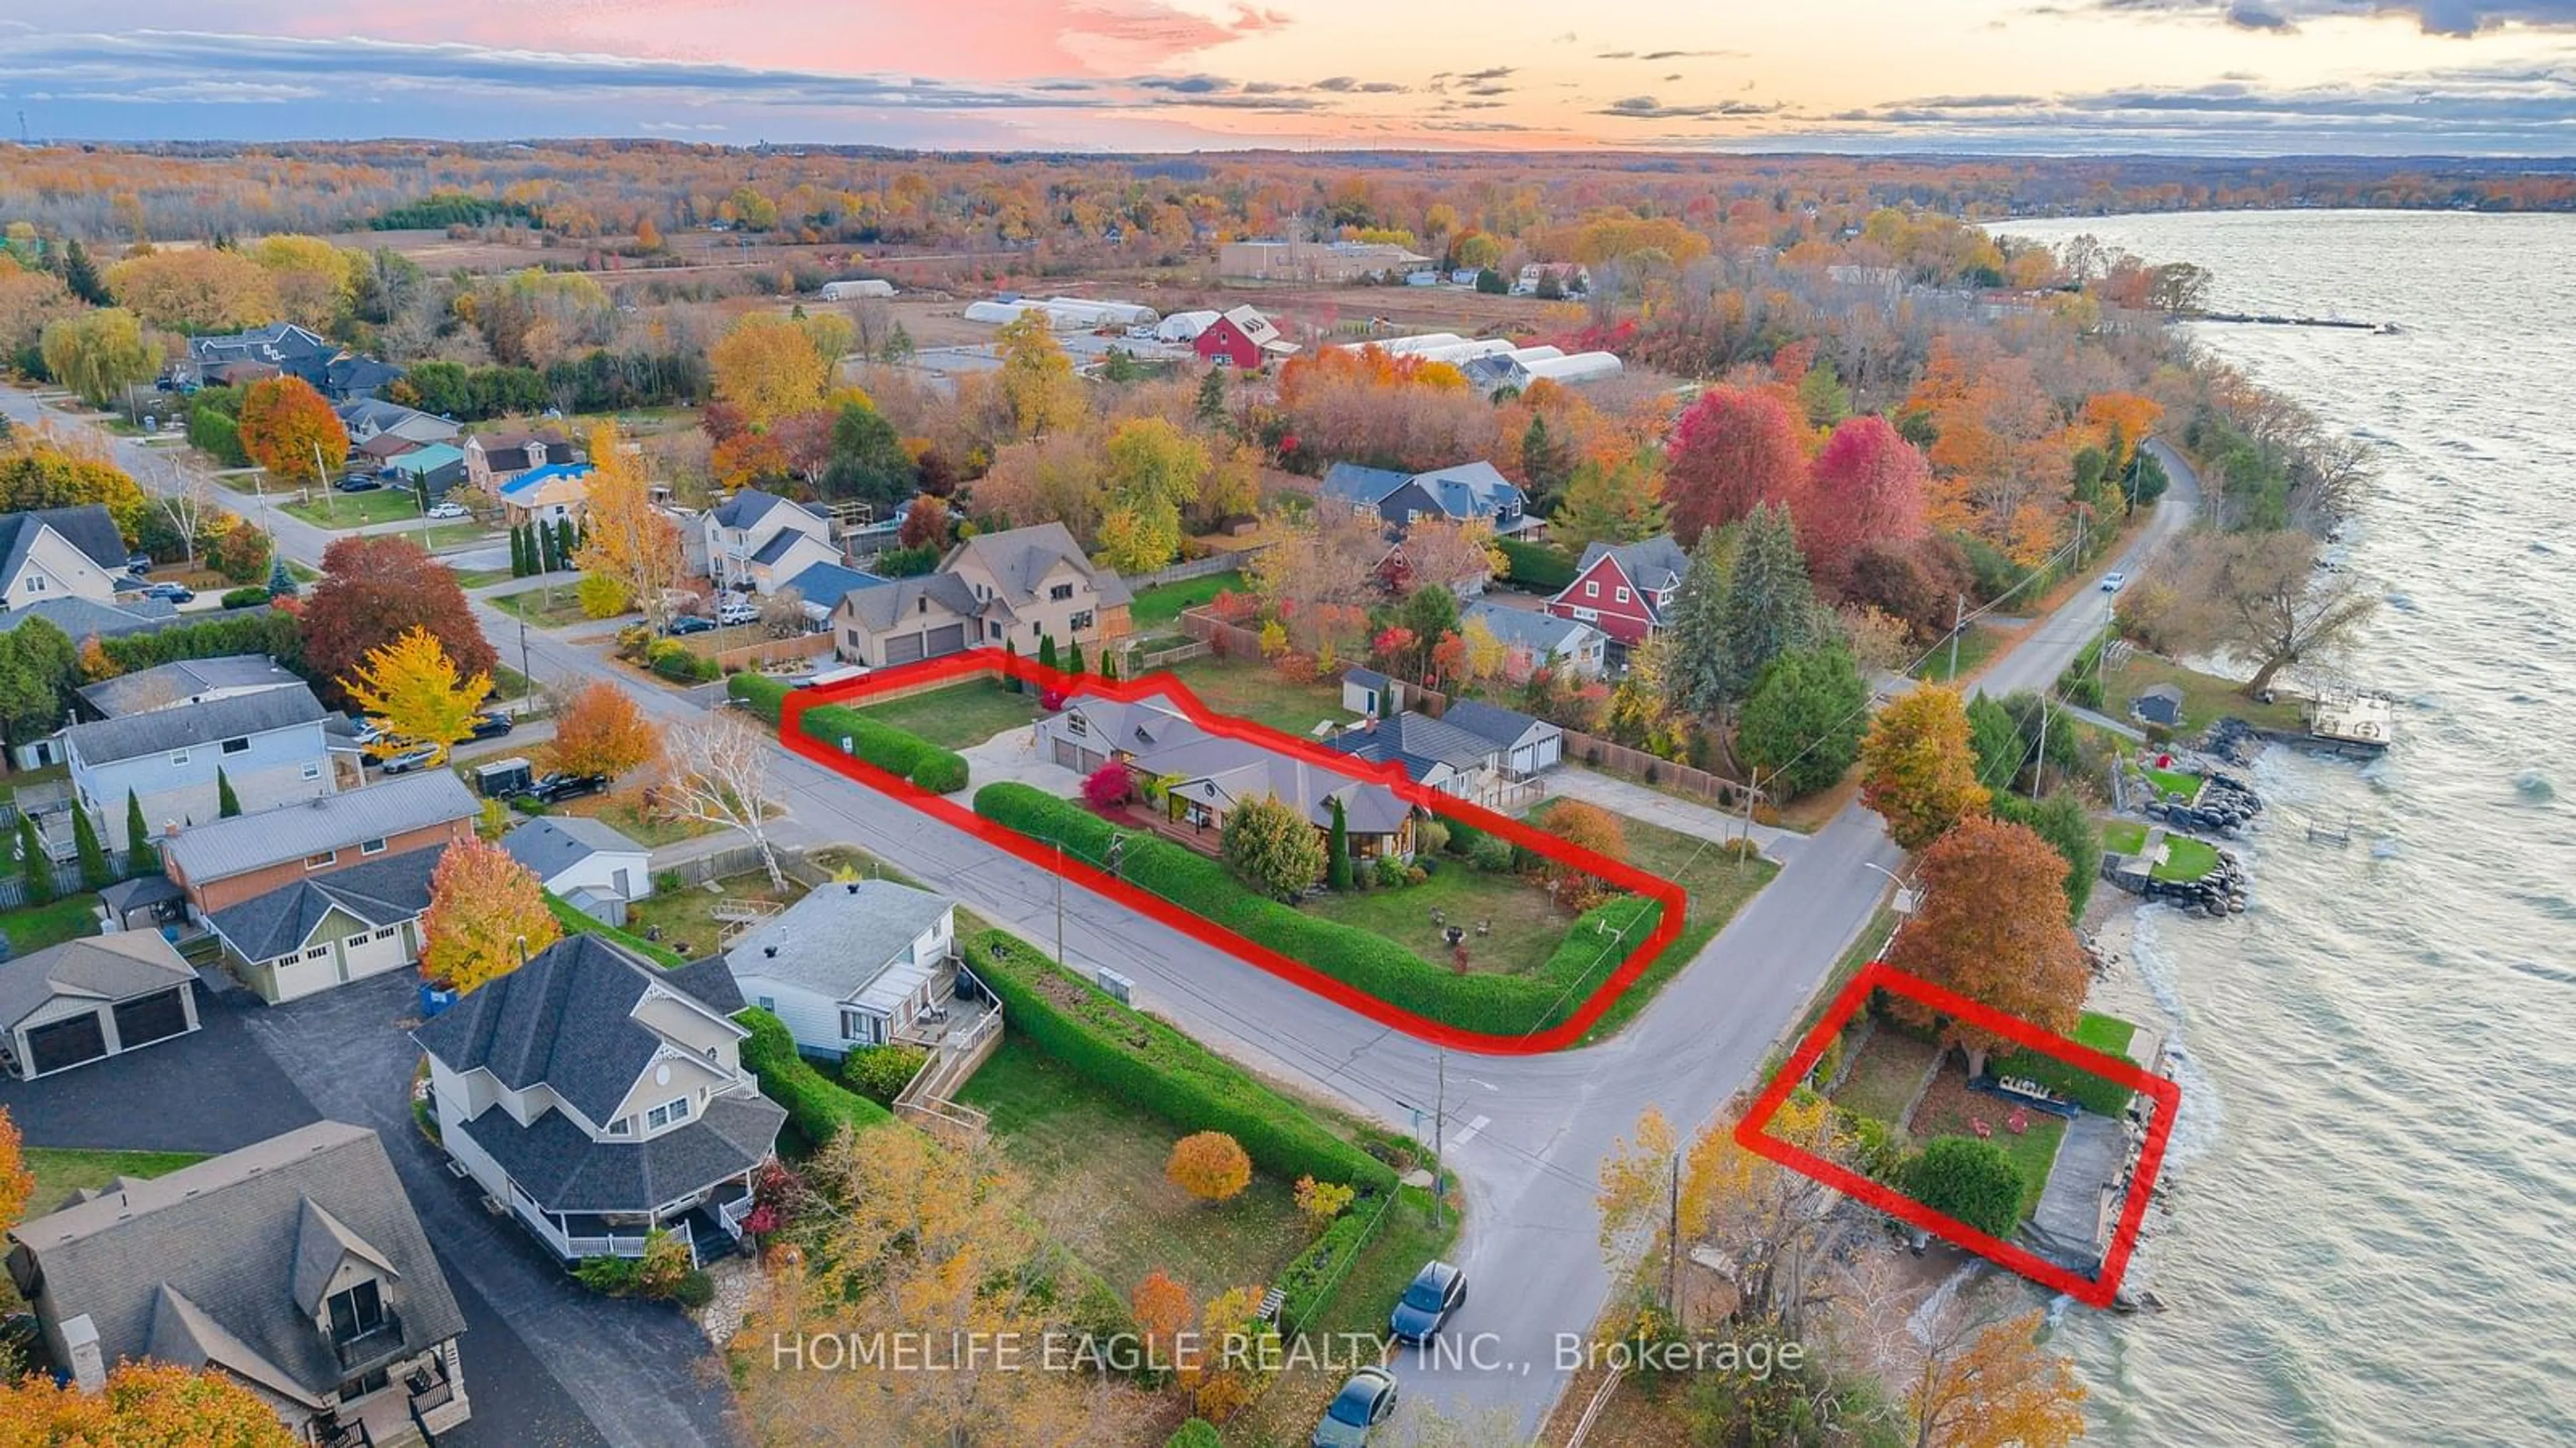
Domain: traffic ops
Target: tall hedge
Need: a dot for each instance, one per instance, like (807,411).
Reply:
(761,694)
(1537,565)
(896,751)
(818,1106)
(1362,959)
(1151,1066)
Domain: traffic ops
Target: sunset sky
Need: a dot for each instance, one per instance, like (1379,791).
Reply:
(2234,76)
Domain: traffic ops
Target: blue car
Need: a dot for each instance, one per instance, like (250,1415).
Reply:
(1364,1402)
(1437,1291)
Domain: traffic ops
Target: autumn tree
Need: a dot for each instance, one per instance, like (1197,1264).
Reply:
(414,687)
(1585,826)
(1733,451)
(1163,1312)
(1038,381)
(601,733)
(487,916)
(288,429)
(1447,555)
(1918,769)
(2261,596)
(315,281)
(17,1184)
(373,591)
(1867,486)
(1237,1355)
(1210,1166)
(1155,471)
(717,772)
(144,1405)
(1619,503)
(625,537)
(767,367)
(98,354)
(200,289)
(1968,1372)
(1990,922)
(39,469)
(1273,848)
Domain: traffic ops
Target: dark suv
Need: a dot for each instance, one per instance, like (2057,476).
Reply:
(556,788)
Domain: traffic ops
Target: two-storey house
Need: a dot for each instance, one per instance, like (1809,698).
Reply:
(293,1266)
(1469,492)
(1021,586)
(758,541)
(271,747)
(598,1099)
(555,493)
(48,554)
(1624,589)
(494,458)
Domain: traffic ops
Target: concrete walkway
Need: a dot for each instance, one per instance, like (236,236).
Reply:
(1637,801)
(2073,1206)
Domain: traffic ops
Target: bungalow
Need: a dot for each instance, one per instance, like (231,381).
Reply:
(855,963)
(270,746)
(228,861)
(86,1000)
(53,553)
(381,449)
(307,936)
(1243,338)
(584,861)
(1434,753)
(1525,746)
(367,418)
(758,540)
(1468,492)
(294,1266)
(434,467)
(600,1099)
(1023,586)
(1624,589)
(188,681)
(1568,646)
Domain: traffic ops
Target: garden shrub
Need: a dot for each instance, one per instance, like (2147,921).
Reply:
(696,1290)
(881,1072)
(1196,1433)
(1390,871)
(760,694)
(1151,1066)
(941,771)
(251,597)
(608,1276)
(1430,837)
(1972,1180)
(1315,1271)
(1491,854)
(815,1105)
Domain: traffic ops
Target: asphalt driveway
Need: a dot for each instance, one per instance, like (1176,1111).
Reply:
(212,1090)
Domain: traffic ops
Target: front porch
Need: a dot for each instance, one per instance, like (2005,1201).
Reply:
(708,1223)
(419,1399)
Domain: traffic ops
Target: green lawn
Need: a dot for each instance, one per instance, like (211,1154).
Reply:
(332,509)
(1883,1076)
(38,926)
(960,715)
(1164,602)
(531,606)
(2124,837)
(2107,1034)
(457,534)
(1527,926)
(2186,859)
(687,916)
(1975,647)
(2206,698)
(61,1171)
(478,577)
(2032,1153)
(2174,783)
(1098,1166)
(1253,690)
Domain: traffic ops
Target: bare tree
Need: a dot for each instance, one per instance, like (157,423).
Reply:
(782,614)
(189,501)
(1964,1364)
(718,772)
(2262,596)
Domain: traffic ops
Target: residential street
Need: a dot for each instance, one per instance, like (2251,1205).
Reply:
(2035,661)
(1528,1133)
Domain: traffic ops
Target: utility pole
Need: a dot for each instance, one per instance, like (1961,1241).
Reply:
(1958,621)
(1673,1239)
(1059,904)
(1439,1137)
(2039,778)
(527,679)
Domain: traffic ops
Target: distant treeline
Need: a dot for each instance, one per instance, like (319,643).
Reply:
(441,209)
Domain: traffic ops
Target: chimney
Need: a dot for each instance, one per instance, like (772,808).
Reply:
(88,1364)
(852,886)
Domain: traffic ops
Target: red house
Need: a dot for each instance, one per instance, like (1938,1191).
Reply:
(1624,589)
(1245,338)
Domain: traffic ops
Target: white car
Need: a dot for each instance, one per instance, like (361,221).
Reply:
(451,510)
(734,613)
(2114,582)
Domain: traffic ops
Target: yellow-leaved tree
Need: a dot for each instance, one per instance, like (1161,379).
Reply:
(626,538)
(1918,769)
(768,366)
(412,685)
(146,1403)
(487,914)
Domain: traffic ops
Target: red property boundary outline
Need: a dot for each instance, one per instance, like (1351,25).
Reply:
(2096,1291)
(1171,690)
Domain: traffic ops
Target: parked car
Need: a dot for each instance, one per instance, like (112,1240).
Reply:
(2114,582)
(359,483)
(450,510)
(367,729)
(492,726)
(171,592)
(734,613)
(691,623)
(1437,1291)
(410,759)
(138,563)
(556,788)
(1364,1402)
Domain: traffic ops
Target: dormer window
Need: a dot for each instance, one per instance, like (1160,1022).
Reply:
(357,1312)
(668,1113)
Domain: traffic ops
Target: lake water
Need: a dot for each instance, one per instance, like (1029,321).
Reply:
(2373,1234)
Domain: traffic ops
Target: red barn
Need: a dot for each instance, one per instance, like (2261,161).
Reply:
(1244,338)
(1625,589)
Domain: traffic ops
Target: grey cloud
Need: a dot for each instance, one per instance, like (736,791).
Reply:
(2434,17)
(1647,108)
(1496,72)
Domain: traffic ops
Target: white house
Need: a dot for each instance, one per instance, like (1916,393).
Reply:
(586,862)
(852,964)
(270,746)
(757,540)
(187,681)
(53,553)
(86,1000)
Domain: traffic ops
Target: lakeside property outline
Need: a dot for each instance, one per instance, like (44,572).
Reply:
(956,667)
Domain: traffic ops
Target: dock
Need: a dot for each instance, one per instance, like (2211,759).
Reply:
(2352,721)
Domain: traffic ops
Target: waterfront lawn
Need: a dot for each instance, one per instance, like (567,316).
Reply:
(959,716)
(1976,646)
(356,510)
(1255,691)
(2108,1034)
(2206,698)
(1164,602)
(2123,837)
(1951,1109)
(1883,1076)
(37,926)
(1097,1165)
(1527,926)
(2186,859)
(2174,783)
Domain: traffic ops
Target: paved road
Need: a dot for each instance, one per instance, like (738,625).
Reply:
(2035,661)
(1528,1134)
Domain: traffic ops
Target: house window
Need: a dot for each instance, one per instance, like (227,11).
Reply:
(371,847)
(35,583)
(769,1004)
(357,1312)
(237,746)
(622,1126)
(675,1110)
(312,771)
(1037,630)
(1591,589)
(854,1026)
(1060,592)
(319,952)
(385,934)
(1586,615)
(178,757)
(1623,595)
(320,861)
(1082,621)
(993,629)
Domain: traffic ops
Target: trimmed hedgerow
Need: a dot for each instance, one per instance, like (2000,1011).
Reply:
(1495,1004)
(816,1105)
(1149,1065)
(1311,1274)
(941,771)
(896,751)
(761,694)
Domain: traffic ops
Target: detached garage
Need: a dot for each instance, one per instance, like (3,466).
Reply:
(86,1000)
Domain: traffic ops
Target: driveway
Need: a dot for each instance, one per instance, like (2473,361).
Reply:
(1638,801)
(157,1098)
(1013,755)
(635,1369)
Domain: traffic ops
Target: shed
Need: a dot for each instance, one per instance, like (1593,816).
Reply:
(86,1000)
(570,853)
(1369,693)
(2159,705)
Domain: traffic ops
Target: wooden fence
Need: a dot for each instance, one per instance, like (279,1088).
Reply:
(1220,636)
(1208,567)
(769,653)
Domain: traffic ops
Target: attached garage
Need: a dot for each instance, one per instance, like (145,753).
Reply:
(85,1000)
(331,929)
(946,639)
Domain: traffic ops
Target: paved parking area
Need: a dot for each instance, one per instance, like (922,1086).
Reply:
(212,1090)
(1012,754)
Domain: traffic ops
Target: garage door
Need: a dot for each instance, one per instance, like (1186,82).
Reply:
(315,969)
(65,1043)
(1066,757)
(947,640)
(374,954)
(902,649)
(155,1017)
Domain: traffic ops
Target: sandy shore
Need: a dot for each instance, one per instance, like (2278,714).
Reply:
(2111,918)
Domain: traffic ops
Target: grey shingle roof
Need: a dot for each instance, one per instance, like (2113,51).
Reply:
(202,1264)
(1541,633)
(181,682)
(556,843)
(1350,483)
(380,892)
(566,1171)
(839,937)
(86,527)
(308,827)
(828,583)
(111,967)
(778,546)
(1651,564)
(747,507)
(1019,557)
(159,731)
(1491,723)
(80,617)
(565,1019)
(878,609)
(1417,741)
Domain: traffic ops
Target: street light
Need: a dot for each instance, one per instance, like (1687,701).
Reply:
(1907,897)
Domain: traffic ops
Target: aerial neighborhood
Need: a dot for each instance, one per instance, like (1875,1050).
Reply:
(570,825)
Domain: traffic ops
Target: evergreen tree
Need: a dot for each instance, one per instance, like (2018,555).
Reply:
(518,554)
(1545,464)
(565,543)
(1696,666)
(281,583)
(82,277)
(227,803)
(138,839)
(1046,651)
(96,873)
(1997,741)
(1073,662)
(1801,725)
(33,867)
(1109,666)
(1211,408)
(1010,655)
(1337,856)
(1770,605)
